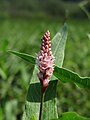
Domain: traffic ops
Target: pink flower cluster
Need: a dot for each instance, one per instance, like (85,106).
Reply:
(45,61)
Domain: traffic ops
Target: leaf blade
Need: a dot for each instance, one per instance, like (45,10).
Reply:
(68,76)
(33,108)
(58,45)
(24,56)
(71,116)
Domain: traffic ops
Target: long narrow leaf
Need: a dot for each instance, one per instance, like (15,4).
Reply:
(24,56)
(61,73)
(58,45)
(68,76)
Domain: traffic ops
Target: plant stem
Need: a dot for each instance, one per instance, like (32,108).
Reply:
(41,105)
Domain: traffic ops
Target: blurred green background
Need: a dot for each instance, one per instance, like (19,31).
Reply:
(22,24)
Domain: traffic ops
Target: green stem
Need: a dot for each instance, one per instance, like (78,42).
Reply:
(41,105)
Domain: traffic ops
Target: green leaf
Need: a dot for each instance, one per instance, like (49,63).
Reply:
(3,74)
(36,96)
(1,113)
(68,76)
(11,110)
(32,105)
(24,56)
(71,116)
(58,46)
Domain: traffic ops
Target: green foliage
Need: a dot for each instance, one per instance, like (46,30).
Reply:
(11,110)
(24,36)
(1,114)
(68,76)
(33,98)
(58,45)
(36,96)
(83,5)
(71,116)
(32,109)
(24,56)
(61,73)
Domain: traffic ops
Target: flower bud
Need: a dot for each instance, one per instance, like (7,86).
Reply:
(45,61)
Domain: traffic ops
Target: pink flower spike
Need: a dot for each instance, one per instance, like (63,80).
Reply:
(45,61)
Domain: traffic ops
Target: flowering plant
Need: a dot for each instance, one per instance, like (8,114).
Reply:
(45,61)
(44,92)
